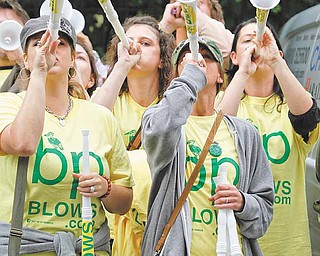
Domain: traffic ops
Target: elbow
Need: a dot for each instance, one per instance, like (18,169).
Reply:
(119,202)
(126,205)
(27,148)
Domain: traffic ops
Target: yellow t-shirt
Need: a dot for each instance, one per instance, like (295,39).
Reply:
(52,201)
(288,233)
(128,114)
(204,216)
(128,228)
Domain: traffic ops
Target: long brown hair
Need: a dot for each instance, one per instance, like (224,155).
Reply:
(234,68)
(216,11)
(166,43)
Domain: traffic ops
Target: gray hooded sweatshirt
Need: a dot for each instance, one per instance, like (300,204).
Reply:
(164,141)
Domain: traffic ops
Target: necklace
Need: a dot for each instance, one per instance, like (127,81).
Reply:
(62,119)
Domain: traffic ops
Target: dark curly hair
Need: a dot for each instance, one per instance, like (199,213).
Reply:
(166,43)
(232,69)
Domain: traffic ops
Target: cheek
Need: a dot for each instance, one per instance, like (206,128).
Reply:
(65,53)
(84,69)
(30,61)
(212,74)
(152,53)
(205,9)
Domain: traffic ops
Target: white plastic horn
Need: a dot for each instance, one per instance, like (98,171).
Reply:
(10,35)
(77,20)
(262,11)
(189,8)
(113,18)
(66,9)
(265,4)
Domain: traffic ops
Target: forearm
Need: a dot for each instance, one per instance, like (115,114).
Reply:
(257,189)
(119,200)
(216,31)
(161,123)
(232,95)
(29,120)
(298,100)
(109,91)
(175,107)
(256,216)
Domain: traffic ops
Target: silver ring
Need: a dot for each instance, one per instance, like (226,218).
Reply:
(91,189)
(227,200)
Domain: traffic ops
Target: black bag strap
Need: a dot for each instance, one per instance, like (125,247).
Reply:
(18,207)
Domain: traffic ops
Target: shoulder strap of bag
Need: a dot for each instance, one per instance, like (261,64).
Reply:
(18,207)
(135,143)
(192,179)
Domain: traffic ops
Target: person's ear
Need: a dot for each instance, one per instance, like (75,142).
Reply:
(25,60)
(219,80)
(234,58)
(91,82)
(73,57)
(160,66)
(281,54)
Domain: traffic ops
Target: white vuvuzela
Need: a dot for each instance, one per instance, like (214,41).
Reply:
(227,242)
(262,11)
(10,35)
(189,8)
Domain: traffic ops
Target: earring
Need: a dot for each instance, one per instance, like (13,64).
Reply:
(24,73)
(72,72)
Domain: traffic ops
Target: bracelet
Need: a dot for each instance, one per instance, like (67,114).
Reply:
(109,187)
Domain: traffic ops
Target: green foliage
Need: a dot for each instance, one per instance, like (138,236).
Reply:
(235,11)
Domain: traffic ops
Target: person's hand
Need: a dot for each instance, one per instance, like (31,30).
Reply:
(249,61)
(91,184)
(270,52)
(200,63)
(15,56)
(84,39)
(172,18)
(45,53)
(129,57)
(227,197)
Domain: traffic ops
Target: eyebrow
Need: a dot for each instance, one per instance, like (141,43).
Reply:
(144,37)
(248,35)
(83,53)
